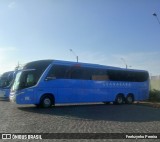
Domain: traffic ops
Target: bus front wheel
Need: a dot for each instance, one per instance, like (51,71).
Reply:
(46,102)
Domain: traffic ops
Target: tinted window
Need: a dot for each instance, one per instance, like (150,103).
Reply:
(85,73)
(76,72)
(99,74)
(59,72)
(127,76)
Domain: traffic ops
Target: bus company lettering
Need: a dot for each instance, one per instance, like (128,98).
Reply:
(26,136)
(117,84)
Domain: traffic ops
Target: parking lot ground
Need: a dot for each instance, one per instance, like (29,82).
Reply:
(86,118)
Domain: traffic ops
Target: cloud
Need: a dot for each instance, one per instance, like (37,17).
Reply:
(11,5)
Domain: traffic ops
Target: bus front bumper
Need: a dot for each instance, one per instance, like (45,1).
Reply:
(12,98)
(3,95)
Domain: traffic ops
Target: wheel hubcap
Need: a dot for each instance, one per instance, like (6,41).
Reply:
(47,102)
(130,99)
(119,100)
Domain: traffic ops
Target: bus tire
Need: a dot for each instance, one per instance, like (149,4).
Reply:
(46,101)
(119,99)
(129,99)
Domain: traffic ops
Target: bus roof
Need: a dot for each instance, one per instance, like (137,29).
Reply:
(5,74)
(82,64)
(71,63)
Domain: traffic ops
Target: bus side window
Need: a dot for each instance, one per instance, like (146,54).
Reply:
(82,73)
(51,74)
(58,72)
(100,74)
(87,74)
(76,74)
(100,77)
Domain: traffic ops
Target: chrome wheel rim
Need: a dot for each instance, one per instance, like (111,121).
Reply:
(47,102)
(119,100)
(129,99)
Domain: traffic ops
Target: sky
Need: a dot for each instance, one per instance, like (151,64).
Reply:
(107,32)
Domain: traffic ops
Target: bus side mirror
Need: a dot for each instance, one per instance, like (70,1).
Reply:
(50,78)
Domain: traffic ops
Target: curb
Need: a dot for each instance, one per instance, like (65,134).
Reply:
(151,104)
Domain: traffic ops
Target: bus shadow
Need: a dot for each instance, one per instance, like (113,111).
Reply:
(121,113)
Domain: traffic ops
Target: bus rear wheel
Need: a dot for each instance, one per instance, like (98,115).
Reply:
(46,102)
(119,99)
(129,99)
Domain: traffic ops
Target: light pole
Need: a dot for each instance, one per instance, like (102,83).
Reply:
(154,14)
(74,54)
(17,67)
(123,60)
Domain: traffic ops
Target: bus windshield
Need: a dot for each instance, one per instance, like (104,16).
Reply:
(6,80)
(30,74)
(25,79)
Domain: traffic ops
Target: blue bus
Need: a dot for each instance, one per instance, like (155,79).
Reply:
(6,81)
(49,82)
